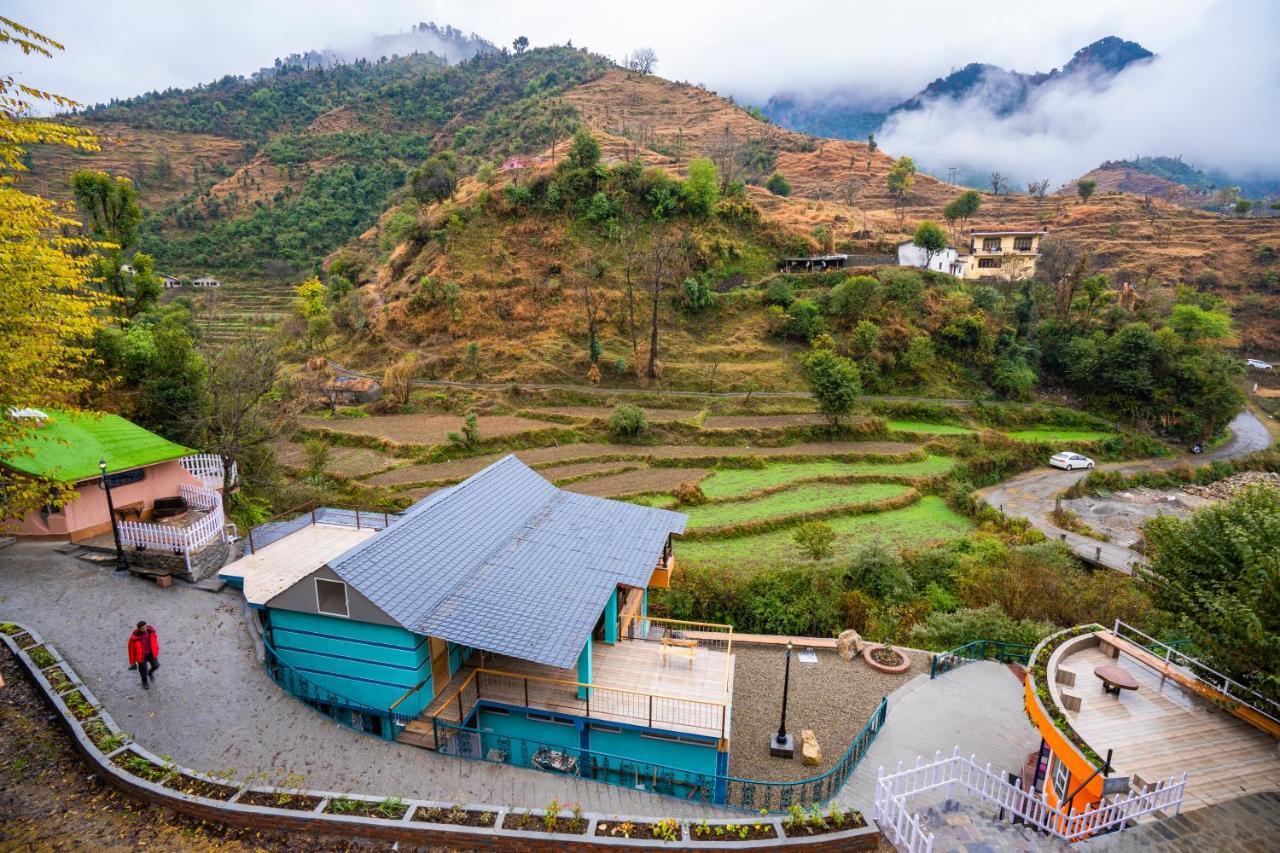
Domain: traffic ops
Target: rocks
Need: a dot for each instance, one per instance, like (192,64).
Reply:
(1230,486)
(849,644)
(810,752)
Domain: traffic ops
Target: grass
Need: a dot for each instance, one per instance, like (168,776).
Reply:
(927,428)
(928,521)
(733,482)
(1058,434)
(790,502)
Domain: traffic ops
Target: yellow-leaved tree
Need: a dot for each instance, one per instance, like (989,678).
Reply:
(49,308)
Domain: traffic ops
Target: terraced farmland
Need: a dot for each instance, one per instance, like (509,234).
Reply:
(238,306)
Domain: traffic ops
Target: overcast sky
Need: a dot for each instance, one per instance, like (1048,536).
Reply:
(1223,51)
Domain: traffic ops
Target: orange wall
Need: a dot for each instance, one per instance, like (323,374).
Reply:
(87,515)
(1066,753)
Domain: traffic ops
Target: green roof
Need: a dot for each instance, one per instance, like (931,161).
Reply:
(68,445)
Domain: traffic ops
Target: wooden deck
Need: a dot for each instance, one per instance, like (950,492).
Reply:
(1163,729)
(630,684)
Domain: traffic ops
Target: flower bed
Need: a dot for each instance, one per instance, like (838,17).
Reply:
(102,737)
(548,821)
(199,787)
(803,825)
(725,832)
(455,816)
(291,800)
(142,766)
(663,830)
(79,706)
(392,808)
(885,659)
(41,657)
(1038,669)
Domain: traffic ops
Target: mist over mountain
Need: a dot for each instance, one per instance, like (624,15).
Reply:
(447,42)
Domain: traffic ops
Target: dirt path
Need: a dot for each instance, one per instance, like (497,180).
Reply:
(1031,495)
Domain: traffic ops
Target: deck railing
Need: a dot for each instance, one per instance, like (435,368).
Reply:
(895,818)
(1200,671)
(977,650)
(209,467)
(709,635)
(290,520)
(180,539)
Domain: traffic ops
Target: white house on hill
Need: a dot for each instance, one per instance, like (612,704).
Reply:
(205,281)
(947,261)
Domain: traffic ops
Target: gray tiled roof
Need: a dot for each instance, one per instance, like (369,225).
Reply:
(506,562)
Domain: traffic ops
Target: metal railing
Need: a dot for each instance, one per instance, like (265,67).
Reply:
(977,650)
(290,520)
(209,467)
(1201,672)
(653,629)
(749,795)
(584,699)
(321,698)
(903,828)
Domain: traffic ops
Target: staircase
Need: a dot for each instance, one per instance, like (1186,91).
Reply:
(419,732)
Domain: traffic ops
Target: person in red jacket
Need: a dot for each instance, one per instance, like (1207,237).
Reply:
(144,652)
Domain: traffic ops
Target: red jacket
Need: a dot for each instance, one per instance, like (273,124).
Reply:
(141,644)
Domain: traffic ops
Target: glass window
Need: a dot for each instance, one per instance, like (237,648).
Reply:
(331,597)
(988,263)
(991,244)
(1022,244)
(1061,779)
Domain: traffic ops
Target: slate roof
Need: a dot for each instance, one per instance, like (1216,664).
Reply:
(66,446)
(506,562)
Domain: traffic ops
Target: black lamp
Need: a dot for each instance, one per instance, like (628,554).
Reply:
(122,564)
(781,744)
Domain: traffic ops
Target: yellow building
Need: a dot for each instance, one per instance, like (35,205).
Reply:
(1002,254)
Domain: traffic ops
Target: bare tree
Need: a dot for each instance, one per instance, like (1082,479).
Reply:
(591,275)
(999,183)
(725,151)
(663,256)
(630,238)
(642,60)
(1037,189)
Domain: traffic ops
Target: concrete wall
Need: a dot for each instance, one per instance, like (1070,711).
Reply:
(301,598)
(86,516)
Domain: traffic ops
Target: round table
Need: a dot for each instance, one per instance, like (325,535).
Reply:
(1115,679)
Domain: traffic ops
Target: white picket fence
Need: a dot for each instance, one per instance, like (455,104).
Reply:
(904,829)
(208,467)
(180,540)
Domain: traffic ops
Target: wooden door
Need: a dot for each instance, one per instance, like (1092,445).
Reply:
(439,664)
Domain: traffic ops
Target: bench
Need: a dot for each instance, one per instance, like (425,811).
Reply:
(679,646)
(134,509)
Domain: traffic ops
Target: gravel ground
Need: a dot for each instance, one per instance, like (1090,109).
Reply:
(833,698)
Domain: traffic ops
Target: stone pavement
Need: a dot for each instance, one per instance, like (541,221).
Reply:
(1249,824)
(970,827)
(213,707)
(977,707)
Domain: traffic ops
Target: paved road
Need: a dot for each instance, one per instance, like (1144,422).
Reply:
(1031,495)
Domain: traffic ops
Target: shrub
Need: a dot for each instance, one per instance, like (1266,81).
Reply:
(778,185)
(780,293)
(701,187)
(316,452)
(469,438)
(941,631)
(696,294)
(854,298)
(689,494)
(834,381)
(815,539)
(804,320)
(877,569)
(627,420)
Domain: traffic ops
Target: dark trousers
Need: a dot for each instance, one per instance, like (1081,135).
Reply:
(146,667)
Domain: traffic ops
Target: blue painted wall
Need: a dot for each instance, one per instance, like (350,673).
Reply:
(373,665)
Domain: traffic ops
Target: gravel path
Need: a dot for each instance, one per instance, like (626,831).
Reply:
(832,697)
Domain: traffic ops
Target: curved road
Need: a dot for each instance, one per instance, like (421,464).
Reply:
(1031,495)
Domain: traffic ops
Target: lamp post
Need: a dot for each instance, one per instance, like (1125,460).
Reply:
(781,745)
(122,565)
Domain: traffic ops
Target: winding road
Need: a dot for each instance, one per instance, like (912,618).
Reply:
(1031,495)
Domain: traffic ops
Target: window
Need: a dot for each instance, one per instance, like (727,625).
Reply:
(1061,779)
(990,244)
(331,597)
(1022,244)
(548,718)
(612,730)
(989,263)
(124,478)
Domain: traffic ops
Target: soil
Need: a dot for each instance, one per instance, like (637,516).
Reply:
(296,802)
(603,413)
(887,657)
(426,430)
(534,823)
(763,421)
(852,820)
(586,470)
(613,829)
(755,832)
(50,802)
(354,462)
(455,817)
(640,481)
(365,808)
(833,697)
(200,787)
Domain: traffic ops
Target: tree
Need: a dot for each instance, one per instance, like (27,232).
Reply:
(1194,323)
(1037,189)
(1218,572)
(111,206)
(901,177)
(725,150)
(1243,206)
(521,44)
(931,238)
(701,187)
(629,236)
(835,381)
(959,209)
(815,539)
(999,183)
(778,185)
(664,251)
(627,421)
(871,143)
(49,313)
(397,380)
(642,60)
(435,180)
(584,150)
(591,309)
(1085,188)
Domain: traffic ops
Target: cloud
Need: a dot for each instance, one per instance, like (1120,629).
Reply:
(1208,97)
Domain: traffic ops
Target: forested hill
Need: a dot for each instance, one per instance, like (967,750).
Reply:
(321,153)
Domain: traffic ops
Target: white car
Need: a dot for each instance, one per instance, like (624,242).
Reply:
(1257,364)
(1069,461)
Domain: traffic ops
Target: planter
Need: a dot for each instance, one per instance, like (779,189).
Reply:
(290,800)
(534,822)
(729,832)
(455,816)
(392,808)
(889,664)
(806,827)
(200,787)
(664,830)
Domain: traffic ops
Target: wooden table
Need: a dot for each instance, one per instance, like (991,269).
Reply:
(1115,679)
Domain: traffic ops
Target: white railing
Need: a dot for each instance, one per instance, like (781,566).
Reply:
(903,827)
(209,468)
(1200,671)
(181,540)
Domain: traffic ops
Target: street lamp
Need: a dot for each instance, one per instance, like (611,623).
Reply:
(122,565)
(781,745)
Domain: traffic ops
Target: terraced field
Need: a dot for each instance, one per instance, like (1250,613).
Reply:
(1054,434)
(238,306)
(794,501)
(736,482)
(924,428)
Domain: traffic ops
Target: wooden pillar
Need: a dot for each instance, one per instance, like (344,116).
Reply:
(584,668)
(611,618)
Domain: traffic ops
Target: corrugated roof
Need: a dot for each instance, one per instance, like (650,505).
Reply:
(68,445)
(506,562)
